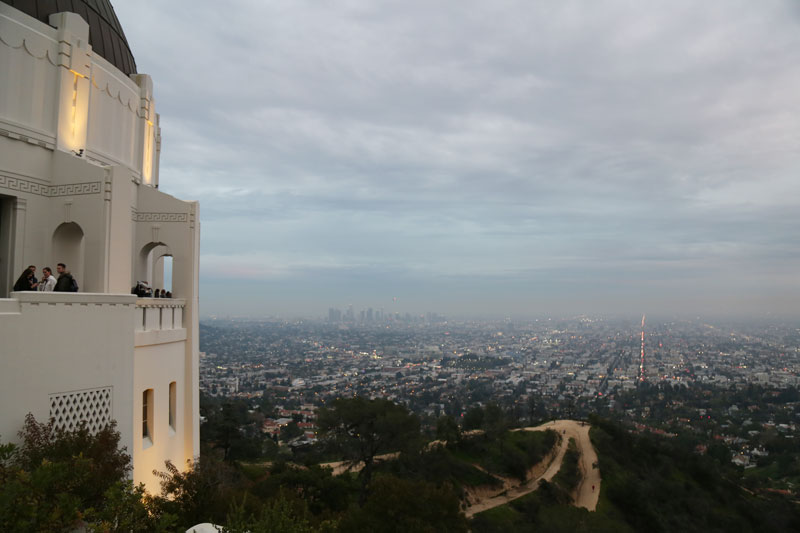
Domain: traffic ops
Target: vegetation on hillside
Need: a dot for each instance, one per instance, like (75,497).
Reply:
(50,481)
(60,481)
(661,485)
(650,483)
(510,454)
(569,475)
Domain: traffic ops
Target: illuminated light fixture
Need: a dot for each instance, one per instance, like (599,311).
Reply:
(147,164)
(74,103)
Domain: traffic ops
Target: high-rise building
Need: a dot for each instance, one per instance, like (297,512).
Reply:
(79,174)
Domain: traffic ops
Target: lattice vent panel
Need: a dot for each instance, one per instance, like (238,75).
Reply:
(69,409)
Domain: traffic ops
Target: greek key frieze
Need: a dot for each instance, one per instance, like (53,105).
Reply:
(74,189)
(161,217)
(17,184)
(49,191)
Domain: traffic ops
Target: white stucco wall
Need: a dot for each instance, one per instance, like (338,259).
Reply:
(156,366)
(60,342)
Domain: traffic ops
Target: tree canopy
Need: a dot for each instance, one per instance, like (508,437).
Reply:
(57,480)
(361,429)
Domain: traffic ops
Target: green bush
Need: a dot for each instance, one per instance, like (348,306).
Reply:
(59,480)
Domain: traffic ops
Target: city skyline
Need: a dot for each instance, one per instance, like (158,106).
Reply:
(521,159)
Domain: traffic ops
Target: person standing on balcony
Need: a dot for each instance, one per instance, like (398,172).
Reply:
(34,281)
(65,281)
(24,281)
(48,282)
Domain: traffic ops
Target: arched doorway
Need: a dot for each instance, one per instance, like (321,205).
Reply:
(7,270)
(68,248)
(151,264)
(162,270)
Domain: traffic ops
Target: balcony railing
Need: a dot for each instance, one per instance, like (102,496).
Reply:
(157,314)
(67,299)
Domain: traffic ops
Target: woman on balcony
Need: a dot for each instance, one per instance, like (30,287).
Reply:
(24,282)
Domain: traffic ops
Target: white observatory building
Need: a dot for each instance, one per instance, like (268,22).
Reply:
(79,152)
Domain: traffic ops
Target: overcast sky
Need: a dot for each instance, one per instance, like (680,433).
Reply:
(500,158)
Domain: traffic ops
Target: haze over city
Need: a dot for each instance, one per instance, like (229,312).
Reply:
(503,158)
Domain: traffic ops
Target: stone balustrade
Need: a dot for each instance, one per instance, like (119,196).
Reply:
(159,321)
(154,314)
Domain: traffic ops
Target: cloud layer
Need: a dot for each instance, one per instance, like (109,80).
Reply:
(510,156)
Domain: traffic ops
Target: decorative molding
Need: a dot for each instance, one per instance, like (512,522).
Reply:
(108,188)
(160,217)
(21,38)
(71,189)
(30,48)
(21,185)
(115,93)
(92,407)
(26,138)
(50,191)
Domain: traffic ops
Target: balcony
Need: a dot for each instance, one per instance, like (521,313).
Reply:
(19,301)
(159,321)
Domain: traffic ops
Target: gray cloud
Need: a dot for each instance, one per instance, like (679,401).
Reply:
(492,153)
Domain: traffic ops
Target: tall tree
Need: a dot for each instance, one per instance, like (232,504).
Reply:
(473,419)
(531,409)
(447,430)
(494,421)
(361,429)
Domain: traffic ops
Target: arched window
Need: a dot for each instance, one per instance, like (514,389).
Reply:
(173,405)
(68,248)
(147,417)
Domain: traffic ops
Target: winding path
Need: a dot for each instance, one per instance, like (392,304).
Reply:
(585,496)
(588,490)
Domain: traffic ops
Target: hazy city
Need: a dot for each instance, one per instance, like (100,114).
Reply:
(436,367)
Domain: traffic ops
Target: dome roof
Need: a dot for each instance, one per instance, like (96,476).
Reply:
(105,32)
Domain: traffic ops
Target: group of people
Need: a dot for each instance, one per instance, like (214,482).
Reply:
(142,290)
(28,282)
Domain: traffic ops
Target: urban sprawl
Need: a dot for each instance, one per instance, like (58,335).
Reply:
(657,376)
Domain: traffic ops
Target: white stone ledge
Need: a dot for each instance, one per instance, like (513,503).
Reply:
(9,306)
(31,133)
(73,298)
(159,336)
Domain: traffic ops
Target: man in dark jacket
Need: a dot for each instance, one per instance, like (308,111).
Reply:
(64,283)
(34,281)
